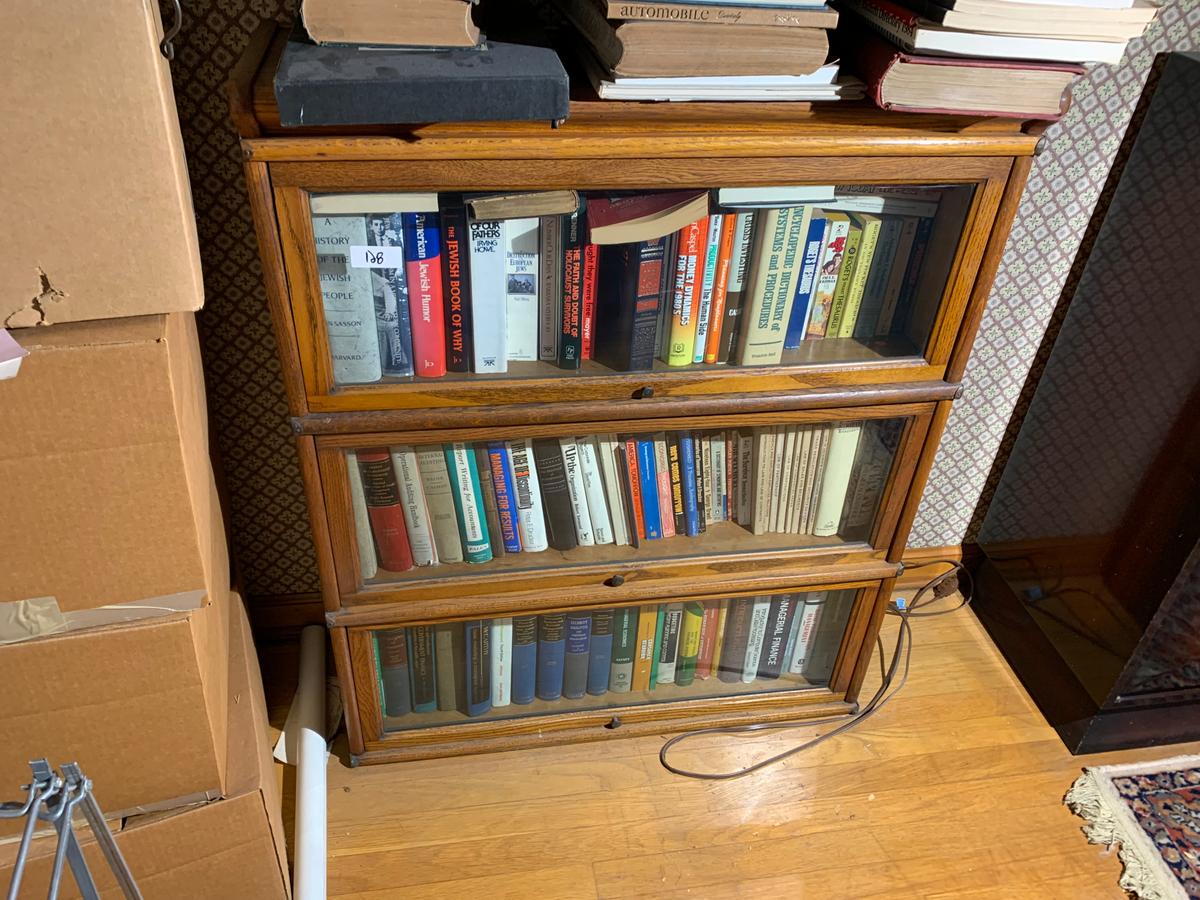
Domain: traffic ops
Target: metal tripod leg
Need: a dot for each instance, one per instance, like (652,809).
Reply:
(104,838)
(68,845)
(44,786)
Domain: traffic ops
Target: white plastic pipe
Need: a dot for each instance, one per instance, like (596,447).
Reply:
(308,875)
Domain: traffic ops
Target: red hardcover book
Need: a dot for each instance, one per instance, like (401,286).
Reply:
(423,266)
(708,634)
(644,217)
(918,83)
(591,257)
(635,487)
(384,510)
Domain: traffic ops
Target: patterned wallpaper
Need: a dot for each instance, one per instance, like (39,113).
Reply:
(268,521)
(1064,186)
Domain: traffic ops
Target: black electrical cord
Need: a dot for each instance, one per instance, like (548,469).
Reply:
(901,658)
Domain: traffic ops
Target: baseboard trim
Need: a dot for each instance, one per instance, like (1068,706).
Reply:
(280,617)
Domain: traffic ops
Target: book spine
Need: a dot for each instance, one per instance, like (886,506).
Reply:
(587,333)
(384,509)
(660,613)
(478,640)
(489,305)
(745,477)
(606,451)
(423,266)
(416,511)
(735,292)
(719,476)
(843,444)
(700,464)
(392,650)
(712,249)
(424,674)
(456,287)
(733,645)
(870,226)
(487,493)
(389,286)
(912,274)
(674,464)
(720,288)
(551,654)
(577,491)
(689,271)
(805,284)
(578,650)
(667,295)
(644,654)
(779,626)
(593,489)
(556,494)
(651,291)
(528,495)
(668,645)
(841,293)
(687,467)
(879,270)
(368,563)
(805,627)
(500,467)
(550,289)
(662,470)
(468,503)
(783,481)
(708,637)
(832,254)
(754,638)
(570,335)
(719,636)
(524,658)
(439,498)
(347,299)
(521,246)
(717,14)
(818,457)
(600,653)
(803,451)
(772,288)
(501,642)
(633,482)
(689,643)
(444,649)
(731,443)
(895,278)
(648,481)
(624,649)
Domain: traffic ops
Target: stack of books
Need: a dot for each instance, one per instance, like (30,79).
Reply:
(472,503)
(708,49)
(983,57)
(480,666)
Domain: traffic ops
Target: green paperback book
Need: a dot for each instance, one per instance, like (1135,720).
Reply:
(689,643)
(625,625)
(468,503)
(658,637)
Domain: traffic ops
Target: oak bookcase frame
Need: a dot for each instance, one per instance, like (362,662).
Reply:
(613,145)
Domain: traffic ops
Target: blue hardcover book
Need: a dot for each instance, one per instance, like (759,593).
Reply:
(687,474)
(551,652)
(600,655)
(506,495)
(648,476)
(477,642)
(524,658)
(575,661)
(805,283)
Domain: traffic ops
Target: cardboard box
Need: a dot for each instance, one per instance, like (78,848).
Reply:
(142,707)
(227,849)
(97,188)
(107,494)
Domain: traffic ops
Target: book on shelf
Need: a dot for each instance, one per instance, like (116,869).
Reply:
(712,247)
(347,299)
(524,658)
(833,251)
(416,511)
(734,641)
(594,491)
(735,287)
(779,625)
(501,645)
(718,638)
(689,264)
(439,498)
(940,248)
(423,674)
(756,631)
(456,283)
(826,83)
(691,623)
(631,489)
(489,304)
(700,466)
(643,659)
(393,672)
(668,643)
(478,670)
(662,472)
(468,503)
(576,655)
(675,474)
(624,649)
(522,244)
(423,267)
(550,285)
(705,652)
(660,614)
(501,473)
(417,23)
(614,493)
(551,655)
(648,489)
(523,204)
(633,283)
(555,494)
(576,491)
(600,654)
(1057,21)
(688,484)
(809,15)
(573,239)
(882,264)
(630,218)
(771,291)
(587,331)
(713,347)
(448,649)
(368,563)
(530,514)
(895,277)
(389,287)
(385,511)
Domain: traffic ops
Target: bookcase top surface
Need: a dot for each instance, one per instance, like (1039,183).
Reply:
(600,128)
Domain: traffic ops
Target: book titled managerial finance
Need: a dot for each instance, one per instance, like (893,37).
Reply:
(648,653)
(427,286)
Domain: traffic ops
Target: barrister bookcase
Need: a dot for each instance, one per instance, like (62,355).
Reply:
(413,642)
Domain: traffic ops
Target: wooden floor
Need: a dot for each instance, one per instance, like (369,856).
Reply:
(952,791)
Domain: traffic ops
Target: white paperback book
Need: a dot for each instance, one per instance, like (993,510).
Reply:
(805,625)
(754,640)
(800,479)
(662,471)
(784,487)
(439,498)
(501,645)
(763,463)
(606,452)
(529,497)
(745,479)
(348,300)
(368,562)
(779,434)
(521,246)
(416,511)
(489,305)
(575,487)
(843,443)
(593,488)
(669,653)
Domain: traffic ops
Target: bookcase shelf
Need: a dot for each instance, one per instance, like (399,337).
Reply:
(969,172)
